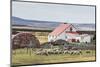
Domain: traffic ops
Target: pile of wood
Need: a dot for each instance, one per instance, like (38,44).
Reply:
(22,40)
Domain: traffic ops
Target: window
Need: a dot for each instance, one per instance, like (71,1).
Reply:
(66,37)
(70,29)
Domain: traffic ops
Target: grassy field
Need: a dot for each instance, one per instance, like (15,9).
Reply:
(23,58)
(42,39)
(42,36)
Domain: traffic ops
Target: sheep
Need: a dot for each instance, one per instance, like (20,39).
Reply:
(75,52)
(57,51)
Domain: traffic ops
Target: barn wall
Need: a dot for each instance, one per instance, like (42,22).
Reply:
(61,36)
(86,39)
(69,36)
(53,38)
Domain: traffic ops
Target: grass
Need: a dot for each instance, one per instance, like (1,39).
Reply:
(42,39)
(22,58)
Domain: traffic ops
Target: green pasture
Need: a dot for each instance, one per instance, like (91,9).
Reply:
(24,57)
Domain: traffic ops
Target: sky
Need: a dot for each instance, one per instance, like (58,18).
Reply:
(53,12)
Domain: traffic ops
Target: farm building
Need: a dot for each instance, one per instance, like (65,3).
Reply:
(41,29)
(68,32)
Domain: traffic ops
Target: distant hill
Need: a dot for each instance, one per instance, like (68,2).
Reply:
(48,24)
(34,23)
(85,27)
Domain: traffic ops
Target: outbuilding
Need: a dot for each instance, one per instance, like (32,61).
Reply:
(68,33)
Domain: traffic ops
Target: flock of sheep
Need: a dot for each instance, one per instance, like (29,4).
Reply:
(50,51)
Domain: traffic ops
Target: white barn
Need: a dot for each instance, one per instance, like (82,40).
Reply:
(69,33)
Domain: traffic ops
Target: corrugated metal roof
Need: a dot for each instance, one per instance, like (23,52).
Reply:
(72,33)
(60,29)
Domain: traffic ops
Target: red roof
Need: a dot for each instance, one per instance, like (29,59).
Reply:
(72,32)
(60,29)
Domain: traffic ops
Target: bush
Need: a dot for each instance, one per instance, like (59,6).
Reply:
(46,45)
(61,42)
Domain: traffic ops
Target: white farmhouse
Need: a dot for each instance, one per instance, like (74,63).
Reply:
(69,33)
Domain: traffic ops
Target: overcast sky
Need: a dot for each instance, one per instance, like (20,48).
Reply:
(54,12)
